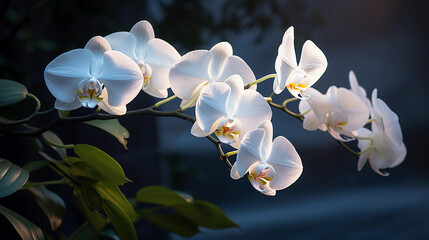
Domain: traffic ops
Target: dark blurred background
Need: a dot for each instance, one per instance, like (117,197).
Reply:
(383,42)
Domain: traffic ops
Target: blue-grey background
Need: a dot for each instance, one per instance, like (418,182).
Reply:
(383,42)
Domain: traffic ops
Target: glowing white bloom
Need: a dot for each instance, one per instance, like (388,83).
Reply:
(358,90)
(339,111)
(95,75)
(154,56)
(272,165)
(199,68)
(298,77)
(383,146)
(229,111)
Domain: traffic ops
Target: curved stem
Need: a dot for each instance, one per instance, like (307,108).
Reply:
(193,100)
(366,150)
(67,146)
(348,148)
(228,154)
(38,104)
(54,182)
(365,138)
(260,80)
(158,104)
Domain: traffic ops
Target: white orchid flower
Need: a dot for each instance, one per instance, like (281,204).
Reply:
(339,111)
(199,68)
(383,147)
(154,56)
(272,165)
(229,111)
(358,90)
(298,77)
(95,75)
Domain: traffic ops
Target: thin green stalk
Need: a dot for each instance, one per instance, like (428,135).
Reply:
(228,154)
(348,148)
(158,104)
(365,138)
(38,104)
(67,146)
(54,182)
(193,100)
(260,80)
(366,150)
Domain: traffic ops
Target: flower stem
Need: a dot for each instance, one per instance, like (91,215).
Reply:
(38,104)
(365,138)
(228,154)
(366,150)
(54,182)
(260,80)
(371,120)
(193,100)
(348,148)
(284,104)
(67,146)
(158,104)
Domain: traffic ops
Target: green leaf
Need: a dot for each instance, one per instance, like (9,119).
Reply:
(35,165)
(11,92)
(91,197)
(12,177)
(26,229)
(205,214)
(50,136)
(96,221)
(84,172)
(114,195)
(51,204)
(160,195)
(104,164)
(113,127)
(120,221)
(172,223)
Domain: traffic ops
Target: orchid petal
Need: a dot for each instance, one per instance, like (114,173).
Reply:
(64,73)
(160,56)
(235,82)
(249,152)
(355,109)
(189,72)
(389,120)
(197,131)
(234,172)
(104,105)
(286,49)
(252,110)
(363,158)
(268,139)
(236,65)
(122,78)
(286,162)
(283,71)
(313,62)
(310,122)
(163,93)
(98,46)
(318,103)
(124,42)
(143,32)
(211,105)
(220,52)
(67,106)
(401,152)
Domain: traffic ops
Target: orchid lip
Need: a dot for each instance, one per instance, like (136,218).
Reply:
(228,130)
(89,91)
